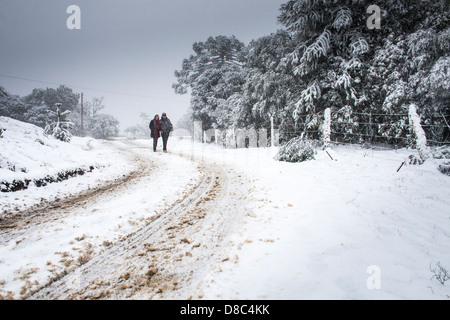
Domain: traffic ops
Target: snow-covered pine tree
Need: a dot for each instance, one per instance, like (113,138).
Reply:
(212,75)
(327,57)
(60,128)
(270,83)
(404,69)
(330,45)
(429,79)
(371,76)
(40,100)
(11,106)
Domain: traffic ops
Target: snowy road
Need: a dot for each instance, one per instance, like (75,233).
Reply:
(165,252)
(204,222)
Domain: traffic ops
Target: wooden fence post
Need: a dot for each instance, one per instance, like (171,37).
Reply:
(326,128)
(417,130)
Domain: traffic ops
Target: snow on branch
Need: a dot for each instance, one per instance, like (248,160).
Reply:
(311,19)
(313,53)
(307,98)
(359,47)
(343,19)
(344,81)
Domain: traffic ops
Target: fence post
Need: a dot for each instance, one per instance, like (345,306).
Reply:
(272,132)
(198,131)
(230,139)
(219,138)
(262,138)
(326,128)
(417,130)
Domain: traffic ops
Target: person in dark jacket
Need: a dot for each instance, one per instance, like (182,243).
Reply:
(155,128)
(166,128)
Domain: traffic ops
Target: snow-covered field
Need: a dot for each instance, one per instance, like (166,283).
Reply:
(348,228)
(352,228)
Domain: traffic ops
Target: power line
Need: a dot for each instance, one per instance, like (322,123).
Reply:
(86,88)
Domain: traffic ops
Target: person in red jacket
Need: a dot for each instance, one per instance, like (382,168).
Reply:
(155,128)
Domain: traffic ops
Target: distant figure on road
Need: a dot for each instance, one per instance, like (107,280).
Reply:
(166,128)
(155,128)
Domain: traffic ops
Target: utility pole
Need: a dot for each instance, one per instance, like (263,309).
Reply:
(82,111)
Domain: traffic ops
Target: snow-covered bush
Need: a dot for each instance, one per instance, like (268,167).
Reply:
(414,160)
(17,185)
(296,150)
(445,168)
(58,132)
(443,154)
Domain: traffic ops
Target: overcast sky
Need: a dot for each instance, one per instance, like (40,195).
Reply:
(126,50)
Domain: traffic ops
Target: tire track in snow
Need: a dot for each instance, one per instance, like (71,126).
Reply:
(34,223)
(168,258)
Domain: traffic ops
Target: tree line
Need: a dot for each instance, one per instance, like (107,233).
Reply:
(324,56)
(34,108)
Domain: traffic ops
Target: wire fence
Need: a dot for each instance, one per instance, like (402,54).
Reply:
(367,130)
(385,131)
